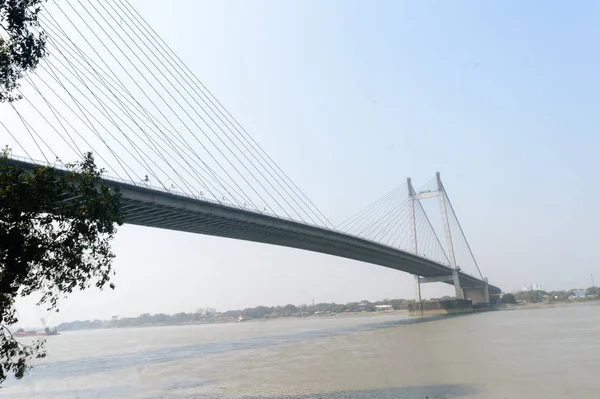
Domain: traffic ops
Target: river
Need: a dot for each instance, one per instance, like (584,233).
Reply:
(533,353)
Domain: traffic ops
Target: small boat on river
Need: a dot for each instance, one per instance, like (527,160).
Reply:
(32,333)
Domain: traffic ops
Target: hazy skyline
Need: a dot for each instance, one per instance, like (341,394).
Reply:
(349,98)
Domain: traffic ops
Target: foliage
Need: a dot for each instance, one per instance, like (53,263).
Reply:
(55,233)
(555,296)
(14,355)
(22,45)
(530,296)
(509,298)
(559,296)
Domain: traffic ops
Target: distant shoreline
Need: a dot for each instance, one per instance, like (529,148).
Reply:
(542,305)
(106,325)
(257,320)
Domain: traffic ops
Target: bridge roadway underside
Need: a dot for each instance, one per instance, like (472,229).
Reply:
(154,208)
(151,208)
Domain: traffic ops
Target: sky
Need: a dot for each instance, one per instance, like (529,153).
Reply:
(350,98)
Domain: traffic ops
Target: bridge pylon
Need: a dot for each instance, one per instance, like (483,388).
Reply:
(414,199)
(413,233)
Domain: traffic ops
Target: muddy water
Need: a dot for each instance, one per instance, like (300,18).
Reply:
(545,353)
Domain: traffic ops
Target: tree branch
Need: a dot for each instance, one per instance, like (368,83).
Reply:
(2,326)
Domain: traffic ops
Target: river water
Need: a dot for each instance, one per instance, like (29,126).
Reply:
(534,353)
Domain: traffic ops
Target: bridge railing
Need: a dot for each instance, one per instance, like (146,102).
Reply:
(107,176)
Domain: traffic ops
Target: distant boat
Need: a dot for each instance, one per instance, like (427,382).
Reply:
(32,333)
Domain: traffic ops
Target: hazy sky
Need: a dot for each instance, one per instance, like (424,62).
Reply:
(350,98)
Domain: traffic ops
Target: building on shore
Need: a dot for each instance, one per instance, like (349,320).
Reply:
(577,294)
(532,287)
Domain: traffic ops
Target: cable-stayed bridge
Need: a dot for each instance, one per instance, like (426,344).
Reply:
(112,86)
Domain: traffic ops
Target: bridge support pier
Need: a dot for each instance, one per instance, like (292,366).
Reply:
(457,289)
(478,295)
(487,293)
(419,308)
(454,278)
(417,288)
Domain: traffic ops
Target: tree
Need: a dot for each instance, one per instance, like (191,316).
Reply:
(289,309)
(530,296)
(397,303)
(509,298)
(559,295)
(55,234)
(22,46)
(592,291)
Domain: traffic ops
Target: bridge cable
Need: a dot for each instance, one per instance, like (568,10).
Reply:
(384,222)
(127,45)
(172,110)
(376,223)
(382,214)
(367,219)
(138,150)
(445,196)
(168,143)
(398,226)
(397,220)
(139,87)
(128,111)
(92,47)
(431,226)
(76,148)
(52,73)
(108,116)
(428,247)
(360,214)
(15,139)
(111,120)
(152,61)
(27,127)
(154,76)
(154,121)
(170,53)
(89,124)
(76,70)
(28,80)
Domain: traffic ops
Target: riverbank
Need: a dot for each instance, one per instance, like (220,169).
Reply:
(143,321)
(212,316)
(126,322)
(542,305)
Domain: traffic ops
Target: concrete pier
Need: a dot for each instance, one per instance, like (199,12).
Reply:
(477,294)
(429,308)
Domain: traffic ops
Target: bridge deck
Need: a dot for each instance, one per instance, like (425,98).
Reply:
(155,208)
(151,208)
